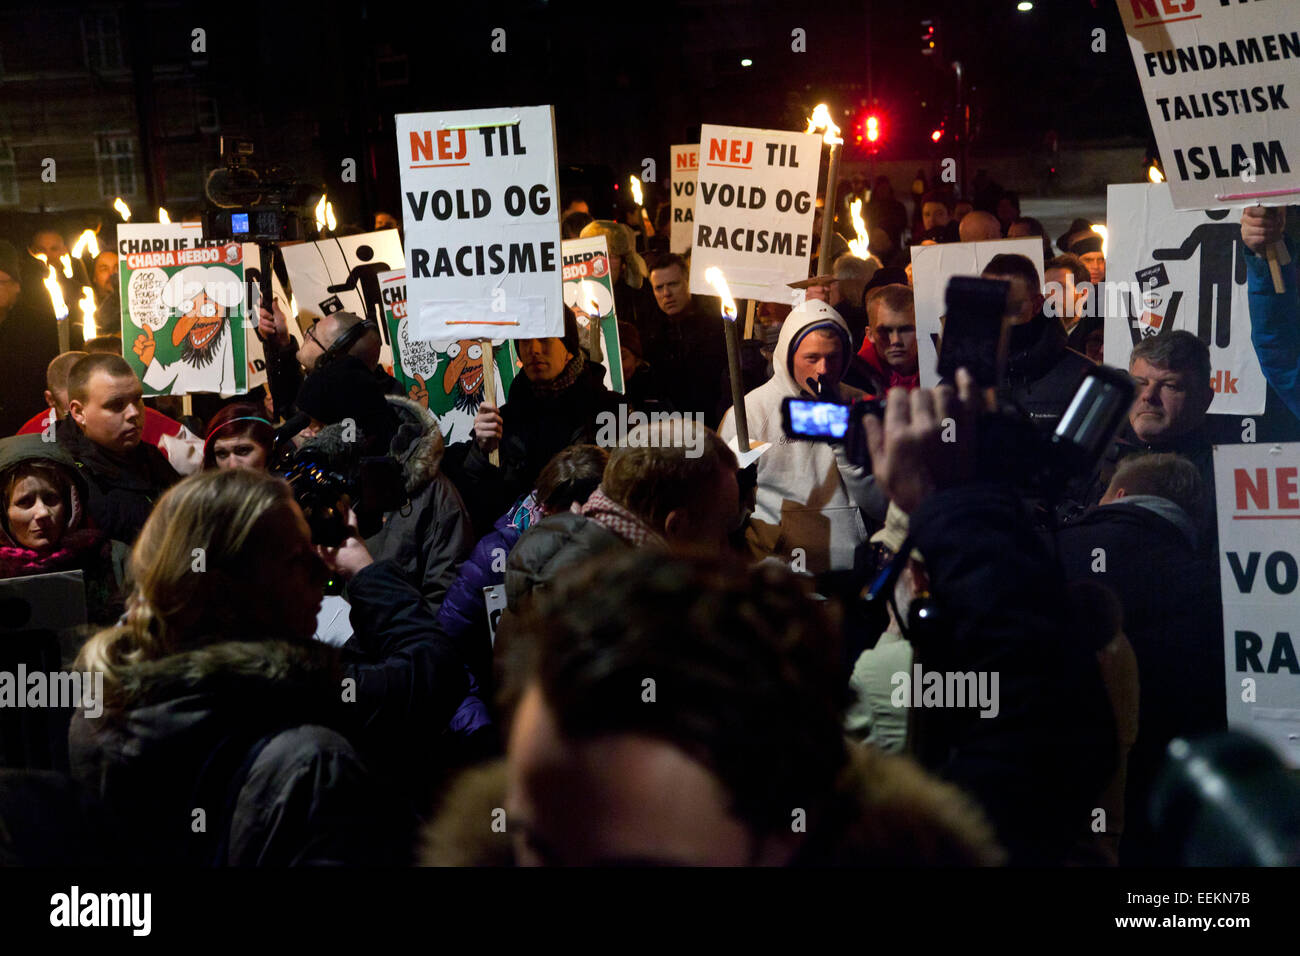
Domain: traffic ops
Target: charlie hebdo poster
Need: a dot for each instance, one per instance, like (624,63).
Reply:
(182,309)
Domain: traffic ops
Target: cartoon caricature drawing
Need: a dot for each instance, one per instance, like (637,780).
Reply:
(202,298)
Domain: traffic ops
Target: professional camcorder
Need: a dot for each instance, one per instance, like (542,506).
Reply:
(252,203)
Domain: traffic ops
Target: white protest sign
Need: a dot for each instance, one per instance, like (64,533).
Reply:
(684,161)
(1168,270)
(482,223)
(933,266)
(341,274)
(1214,77)
(589,292)
(254,351)
(1258,501)
(754,206)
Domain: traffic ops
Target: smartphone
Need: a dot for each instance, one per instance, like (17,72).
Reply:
(975,330)
(811,420)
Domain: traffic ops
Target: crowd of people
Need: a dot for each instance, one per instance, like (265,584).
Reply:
(685,670)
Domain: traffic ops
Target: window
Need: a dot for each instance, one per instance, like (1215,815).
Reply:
(102,39)
(115,159)
(8,176)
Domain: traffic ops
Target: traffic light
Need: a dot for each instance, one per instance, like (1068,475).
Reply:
(872,129)
(929,37)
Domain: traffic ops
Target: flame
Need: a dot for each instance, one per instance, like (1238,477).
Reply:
(861,246)
(320,214)
(587,288)
(1105,237)
(86,242)
(123,209)
(330,221)
(56,294)
(821,119)
(67,264)
(636,191)
(87,305)
(1154,174)
(714,277)
(162,215)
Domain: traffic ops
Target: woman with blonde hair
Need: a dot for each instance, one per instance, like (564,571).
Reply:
(229,736)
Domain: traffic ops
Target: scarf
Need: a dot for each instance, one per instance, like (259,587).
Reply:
(567,377)
(608,513)
(17,561)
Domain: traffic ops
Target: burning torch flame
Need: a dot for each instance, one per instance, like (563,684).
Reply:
(821,119)
(56,294)
(1105,237)
(123,209)
(330,221)
(636,190)
(87,305)
(67,264)
(1154,174)
(861,246)
(87,241)
(162,215)
(588,290)
(320,213)
(714,277)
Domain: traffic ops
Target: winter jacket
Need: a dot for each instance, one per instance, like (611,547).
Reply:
(1038,765)
(1042,372)
(1173,618)
(123,488)
(1275,326)
(535,427)
(430,535)
(808,492)
(180,446)
(885,811)
(875,378)
(558,542)
(83,547)
(689,351)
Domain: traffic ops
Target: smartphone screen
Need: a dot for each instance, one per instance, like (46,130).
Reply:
(811,419)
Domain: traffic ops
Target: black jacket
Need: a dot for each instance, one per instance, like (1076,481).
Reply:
(689,351)
(123,488)
(28,341)
(1039,764)
(535,427)
(1174,620)
(1042,372)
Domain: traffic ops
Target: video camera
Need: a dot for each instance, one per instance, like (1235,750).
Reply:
(251,203)
(1011,447)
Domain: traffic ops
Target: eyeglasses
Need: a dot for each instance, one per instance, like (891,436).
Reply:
(309,333)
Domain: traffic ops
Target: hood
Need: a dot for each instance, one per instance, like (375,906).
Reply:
(418,444)
(886,811)
(20,448)
(813,312)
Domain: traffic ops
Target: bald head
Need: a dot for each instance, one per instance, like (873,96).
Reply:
(56,380)
(978,226)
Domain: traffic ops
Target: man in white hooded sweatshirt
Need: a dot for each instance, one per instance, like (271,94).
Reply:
(807,511)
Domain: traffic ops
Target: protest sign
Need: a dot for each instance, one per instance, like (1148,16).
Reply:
(1258,501)
(754,210)
(1168,270)
(589,290)
(254,351)
(445,377)
(182,309)
(1214,77)
(482,223)
(685,166)
(494,602)
(342,275)
(933,266)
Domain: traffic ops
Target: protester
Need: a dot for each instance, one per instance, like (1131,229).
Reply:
(809,493)
(1029,226)
(24,331)
(936,218)
(1042,372)
(884,212)
(239,436)
(1007,210)
(1041,750)
(428,534)
(1143,542)
(571,226)
(1068,286)
(44,525)
(979,226)
(103,433)
(217,698)
(742,732)
(108,302)
(633,300)
(642,387)
(845,291)
(1274,316)
(1080,240)
(888,357)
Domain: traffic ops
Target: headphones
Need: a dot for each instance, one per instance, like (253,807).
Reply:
(339,347)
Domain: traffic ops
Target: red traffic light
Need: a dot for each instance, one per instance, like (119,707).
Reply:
(873,128)
(936,135)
